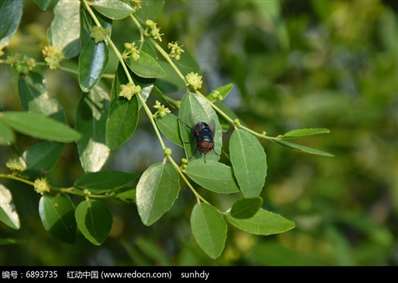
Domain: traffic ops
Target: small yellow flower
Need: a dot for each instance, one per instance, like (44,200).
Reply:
(194,80)
(167,152)
(129,90)
(161,109)
(98,34)
(41,186)
(153,30)
(16,164)
(53,56)
(131,50)
(175,50)
(137,4)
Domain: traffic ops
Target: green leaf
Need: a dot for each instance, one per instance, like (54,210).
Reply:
(249,162)
(246,208)
(151,250)
(213,176)
(105,181)
(127,195)
(194,109)
(123,115)
(222,91)
(8,241)
(113,9)
(39,126)
(34,96)
(42,156)
(10,15)
(187,63)
(7,136)
(304,148)
(93,152)
(157,191)
(305,132)
(209,229)
(168,126)
(263,223)
(57,216)
(8,215)
(151,9)
(94,220)
(64,31)
(45,4)
(146,66)
(93,56)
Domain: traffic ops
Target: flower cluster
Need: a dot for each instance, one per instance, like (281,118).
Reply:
(131,50)
(98,34)
(16,164)
(215,95)
(175,50)
(137,4)
(129,90)
(184,164)
(53,56)
(194,80)
(161,109)
(41,186)
(22,64)
(153,30)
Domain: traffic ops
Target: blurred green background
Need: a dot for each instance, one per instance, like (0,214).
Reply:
(295,64)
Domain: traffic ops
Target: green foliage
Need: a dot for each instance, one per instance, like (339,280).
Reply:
(8,215)
(249,162)
(64,32)
(123,115)
(39,126)
(213,176)
(105,181)
(209,229)
(113,9)
(57,216)
(246,208)
(113,88)
(94,220)
(262,223)
(93,55)
(10,14)
(157,191)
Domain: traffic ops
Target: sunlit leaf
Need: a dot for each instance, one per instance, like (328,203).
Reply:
(113,9)
(93,152)
(10,15)
(305,132)
(209,229)
(39,126)
(263,223)
(93,55)
(157,191)
(249,162)
(64,31)
(123,115)
(195,108)
(304,148)
(8,214)
(213,176)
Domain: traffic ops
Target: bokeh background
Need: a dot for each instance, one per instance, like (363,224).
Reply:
(295,64)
